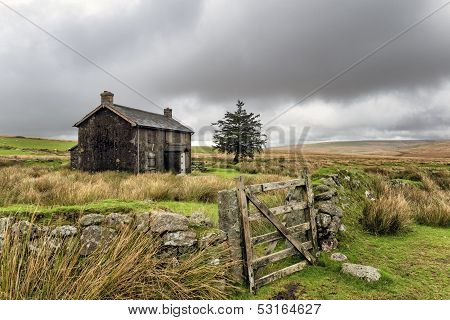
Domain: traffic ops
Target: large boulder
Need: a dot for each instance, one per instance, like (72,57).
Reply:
(199,219)
(93,236)
(162,221)
(91,220)
(118,221)
(330,208)
(64,231)
(368,273)
(180,239)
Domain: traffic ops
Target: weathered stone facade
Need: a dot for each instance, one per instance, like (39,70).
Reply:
(114,137)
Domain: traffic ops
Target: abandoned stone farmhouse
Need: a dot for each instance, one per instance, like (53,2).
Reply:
(115,137)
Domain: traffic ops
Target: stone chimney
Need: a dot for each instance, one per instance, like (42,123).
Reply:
(107,97)
(168,112)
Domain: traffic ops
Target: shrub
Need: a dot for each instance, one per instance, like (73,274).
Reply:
(127,268)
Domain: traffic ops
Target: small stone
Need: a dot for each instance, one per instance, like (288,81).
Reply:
(368,273)
(118,221)
(91,219)
(212,238)
(329,208)
(328,245)
(342,228)
(180,239)
(143,222)
(25,229)
(5,223)
(199,219)
(215,262)
(325,195)
(369,196)
(323,220)
(162,221)
(321,188)
(337,256)
(347,178)
(92,236)
(64,231)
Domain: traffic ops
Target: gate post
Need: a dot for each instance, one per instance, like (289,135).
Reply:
(230,222)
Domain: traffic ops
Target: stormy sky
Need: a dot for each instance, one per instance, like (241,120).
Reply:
(199,57)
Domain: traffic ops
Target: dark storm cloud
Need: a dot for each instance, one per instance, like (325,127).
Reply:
(199,57)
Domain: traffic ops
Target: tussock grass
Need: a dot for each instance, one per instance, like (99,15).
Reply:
(128,268)
(44,186)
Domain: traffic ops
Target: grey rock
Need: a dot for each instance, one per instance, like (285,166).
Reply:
(215,262)
(93,236)
(92,219)
(368,273)
(328,182)
(23,229)
(64,231)
(212,238)
(5,223)
(334,225)
(199,219)
(337,256)
(330,208)
(321,188)
(342,228)
(369,195)
(180,239)
(325,195)
(323,220)
(328,245)
(143,222)
(162,221)
(118,221)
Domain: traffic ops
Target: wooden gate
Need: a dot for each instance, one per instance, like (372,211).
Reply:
(303,203)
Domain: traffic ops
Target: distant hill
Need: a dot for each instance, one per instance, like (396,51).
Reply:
(18,145)
(394,148)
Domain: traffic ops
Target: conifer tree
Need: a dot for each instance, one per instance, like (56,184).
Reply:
(239,133)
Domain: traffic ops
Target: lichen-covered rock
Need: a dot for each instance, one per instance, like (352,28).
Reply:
(180,239)
(23,229)
(329,182)
(325,195)
(337,256)
(321,188)
(329,244)
(93,236)
(330,208)
(5,223)
(91,220)
(118,221)
(64,231)
(143,222)
(199,219)
(51,244)
(323,220)
(212,238)
(162,221)
(368,273)
(334,225)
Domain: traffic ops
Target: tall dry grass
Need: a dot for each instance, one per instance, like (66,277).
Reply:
(37,185)
(389,213)
(128,268)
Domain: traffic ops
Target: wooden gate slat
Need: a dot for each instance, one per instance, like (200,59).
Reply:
(278,211)
(310,210)
(283,229)
(263,187)
(277,256)
(273,236)
(279,274)
(247,236)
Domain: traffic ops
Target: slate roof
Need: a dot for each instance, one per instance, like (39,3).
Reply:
(143,118)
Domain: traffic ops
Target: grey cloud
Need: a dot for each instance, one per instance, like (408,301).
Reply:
(199,57)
